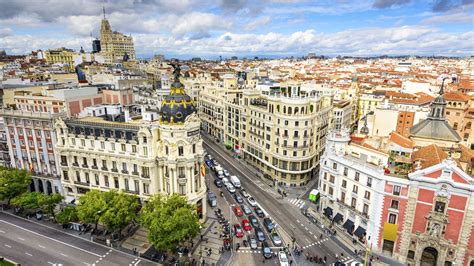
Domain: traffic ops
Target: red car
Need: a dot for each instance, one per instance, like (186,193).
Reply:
(238,211)
(246,225)
(238,231)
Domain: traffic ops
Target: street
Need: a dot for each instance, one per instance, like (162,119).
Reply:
(285,213)
(29,243)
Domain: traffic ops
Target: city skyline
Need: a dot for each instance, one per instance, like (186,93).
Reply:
(242,28)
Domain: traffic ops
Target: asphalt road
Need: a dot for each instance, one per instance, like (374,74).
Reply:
(282,211)
(30,243)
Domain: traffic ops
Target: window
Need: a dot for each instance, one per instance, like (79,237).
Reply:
(94,162)
(392,218)
(114,165)
(396,190)
(116,182)
(102,145)
(112,146)
(369,181)
(331,191)
(365,209)
(355,189)
(356,176)
(145,188)
(343,196)
(394,204)
(78,176)
(344,183)
(194,148)
(123,147)
(96,179)
(65,175)
(134,148)
(367,195)
(353,202)
(106,180)
(331,179)
(146,172)
(144,140)
(87,178)
(440,206)
(145,151)
(124,166)
(83,142)
(334,166)
(104,164)
(127,188)
(346,170)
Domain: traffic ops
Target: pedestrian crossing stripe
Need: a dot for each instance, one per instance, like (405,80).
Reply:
(248,251)
(315,243)
(298,202)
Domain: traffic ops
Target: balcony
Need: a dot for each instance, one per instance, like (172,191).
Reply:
(81,183)
(103,168)
(145,176)
(85,166)
(124,171)
(114,170)
(63,163)
(94,167)
(75,164)
(135,173)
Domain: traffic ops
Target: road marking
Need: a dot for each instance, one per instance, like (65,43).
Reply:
(22,239)
(97,261)
(136,263)
(8,246)
(2,231)
(49,262)
(41,246)
(50,238)
(62,254)
(297,220)
(28,254)
(292,225)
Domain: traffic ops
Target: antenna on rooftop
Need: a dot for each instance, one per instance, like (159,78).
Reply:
(103,10)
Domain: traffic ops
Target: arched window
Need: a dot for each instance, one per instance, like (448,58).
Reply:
(296,110)
(278,108)
(311,108)
(284,109)
(289,110)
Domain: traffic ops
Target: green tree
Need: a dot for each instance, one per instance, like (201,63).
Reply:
(169,220)
(121,210)
(28,201)
(91,207)
(13,182)
(49,202)
(67,215)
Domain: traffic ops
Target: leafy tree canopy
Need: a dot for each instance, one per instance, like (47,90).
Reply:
(169,220)
(28,200)
(67,215)
(13,182)
(121,210)
(91,206)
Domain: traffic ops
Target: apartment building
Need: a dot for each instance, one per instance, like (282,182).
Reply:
(342,114)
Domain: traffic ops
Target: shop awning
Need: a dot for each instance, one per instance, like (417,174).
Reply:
(390,231)
(359,232)
(328,212)
(338,218)
(349,226)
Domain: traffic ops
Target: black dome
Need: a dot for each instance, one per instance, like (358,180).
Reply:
(176,106)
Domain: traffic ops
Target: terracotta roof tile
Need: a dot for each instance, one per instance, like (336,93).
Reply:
(456,96)
(401,140)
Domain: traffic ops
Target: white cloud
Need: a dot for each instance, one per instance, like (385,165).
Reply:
(4,32)
(458,17)
(258,23)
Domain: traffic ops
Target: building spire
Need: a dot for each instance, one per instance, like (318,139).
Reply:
(441,90)
(103,11)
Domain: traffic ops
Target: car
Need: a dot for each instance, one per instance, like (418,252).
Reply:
(283,258)
(246,209)
(276,239)
(246,225)
(268,224)
(238,231)
(259,235)
(238,212)
(225,181)
(238,198)
(252,242)
(226,229)
(252,201)
(244,193)
(230,188)
(226,173)
(266,251)
(253,221)
(259,212)
(218,183)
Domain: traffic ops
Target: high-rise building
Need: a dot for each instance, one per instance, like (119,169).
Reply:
(114,46)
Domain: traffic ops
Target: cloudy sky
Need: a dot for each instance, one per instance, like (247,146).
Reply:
(212,28)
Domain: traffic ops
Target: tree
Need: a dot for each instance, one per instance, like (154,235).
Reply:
(28,201)
(91,207)
(13,182)
(121,210)
(169,220)
(48,202)
(67,215)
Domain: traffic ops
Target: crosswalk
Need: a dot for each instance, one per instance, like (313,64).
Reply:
(347,260)
(248,251)
(315,243)
(297,202)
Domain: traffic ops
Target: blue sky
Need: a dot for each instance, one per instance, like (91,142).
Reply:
(209,28)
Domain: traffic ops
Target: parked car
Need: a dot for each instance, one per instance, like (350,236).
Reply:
(230,188)
(218,183)
(226,229)
(238,231)
(226,173)
(238,212)
(276,239)
(246,209)
(253,221)
(252,242)
(259,235)
(238,198)
(266,251)
(259,212)
(268,224)
(211,199)
(283,258)
(252,201)
(246,225)
(244,193)
(225,181)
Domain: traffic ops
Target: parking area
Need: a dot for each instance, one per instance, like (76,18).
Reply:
(242,224)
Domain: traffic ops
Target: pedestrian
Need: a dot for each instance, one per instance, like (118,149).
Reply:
(201,237)
(342,255)
(291,262)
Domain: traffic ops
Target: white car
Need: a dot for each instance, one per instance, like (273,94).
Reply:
(225,181)
(226,173)
(252,201)
(230,187)
(282,258)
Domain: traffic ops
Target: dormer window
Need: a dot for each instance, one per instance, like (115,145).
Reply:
(439,207)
